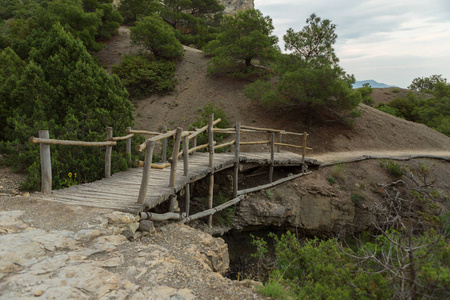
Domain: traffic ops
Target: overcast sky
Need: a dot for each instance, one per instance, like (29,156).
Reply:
(390,41)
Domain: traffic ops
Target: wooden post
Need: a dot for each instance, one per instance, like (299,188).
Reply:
(173,166)
(164,146)
(146,172)
(211,165)
(272,156)
(194,144)
(129,147)
(46,164)
(280,140)
(186,155)
(305,137)
(237,148)
(187,192)
(109,135)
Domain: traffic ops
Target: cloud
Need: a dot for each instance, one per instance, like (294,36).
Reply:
(407,36)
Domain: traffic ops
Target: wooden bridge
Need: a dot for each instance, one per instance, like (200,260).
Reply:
(139,190)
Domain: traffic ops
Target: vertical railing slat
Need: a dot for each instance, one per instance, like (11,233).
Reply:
(46,164)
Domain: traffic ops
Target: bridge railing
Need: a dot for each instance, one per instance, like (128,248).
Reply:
(184,137)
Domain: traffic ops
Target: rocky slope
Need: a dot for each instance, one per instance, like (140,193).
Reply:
(99,262)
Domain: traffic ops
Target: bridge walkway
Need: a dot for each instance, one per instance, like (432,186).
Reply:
(120,191)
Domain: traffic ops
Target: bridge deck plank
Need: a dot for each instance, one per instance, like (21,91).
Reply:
(120,191)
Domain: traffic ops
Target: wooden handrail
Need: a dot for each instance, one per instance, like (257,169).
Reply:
(35,140)
(122,138)
(204,128)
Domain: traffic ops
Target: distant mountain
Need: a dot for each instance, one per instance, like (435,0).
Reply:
(372,83)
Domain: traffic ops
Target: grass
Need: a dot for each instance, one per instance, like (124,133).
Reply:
(274,289)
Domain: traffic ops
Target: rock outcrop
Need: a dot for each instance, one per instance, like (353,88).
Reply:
(313,206)
(232,6)
(99,262)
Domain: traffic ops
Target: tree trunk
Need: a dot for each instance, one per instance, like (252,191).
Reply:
(248,62)
(309,114)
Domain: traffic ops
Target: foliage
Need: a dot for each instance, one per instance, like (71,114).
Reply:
(194,21)
(142,76)
(365,91)
(432,111)
(309,77)
(244,37)
(331,180)
(426,84)
(62,89)
(394,168)
(203,120)
(158,37)
(88,20)
(314,43)
(319,269)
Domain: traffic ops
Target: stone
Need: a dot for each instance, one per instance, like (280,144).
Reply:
(10,223)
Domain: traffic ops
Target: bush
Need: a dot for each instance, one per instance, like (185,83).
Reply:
(319,269)
(62,89)
(143,77)
(158,37)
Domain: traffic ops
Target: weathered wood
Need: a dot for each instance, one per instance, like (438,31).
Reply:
(260,129)
(211,165)
(186,156)
(194,146)
(128,146)
(161,217)
(204,128)
(46,164)
(164,146)
(173,167)
(225,144)
(143,132)
(269,185)
(305,137)
(212,211)
(109,136)
(187,198)
(237,150)
(255,143)
(122,138)
(293,146)
(280,142)
(70,143)
(146,172)
(140,163)
(272,157)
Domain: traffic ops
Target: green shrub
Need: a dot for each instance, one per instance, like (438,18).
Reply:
(319,269)
(63,90)
(143,77)
(203,121)
(331,180)
(394,168)
(357,199)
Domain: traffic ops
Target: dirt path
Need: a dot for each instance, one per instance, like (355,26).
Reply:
(336,157)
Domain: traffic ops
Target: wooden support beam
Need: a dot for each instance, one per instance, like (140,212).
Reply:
(269,185)
(256,143)
(212,211)
(204,128)
(128,147)
(109,136)
(164,146)
(161,217)
(272,157)
(173,167)
(211,165)
(305,137)
(237,150)
(146,172)
(186,155)
(46,163)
